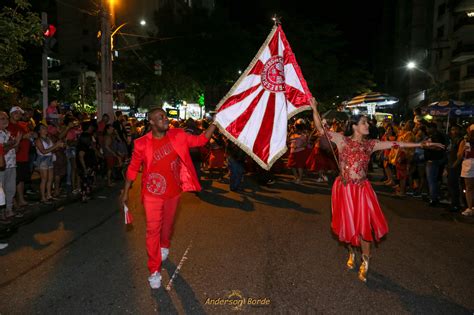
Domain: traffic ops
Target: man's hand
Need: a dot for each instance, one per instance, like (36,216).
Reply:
(124,198)
(313,103)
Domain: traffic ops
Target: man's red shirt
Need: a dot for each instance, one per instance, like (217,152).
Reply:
(23,154)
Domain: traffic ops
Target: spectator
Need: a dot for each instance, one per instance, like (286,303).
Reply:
(52,112)
(434,160)
(466,154)
(191,128)
(454,168)
(101,127)
(72,136)
(405,157)
(389,135)
(23,172)
(86,164)
(44,161)
(3,218)
(235,162)
(298,151)
(8,176)
(110,155)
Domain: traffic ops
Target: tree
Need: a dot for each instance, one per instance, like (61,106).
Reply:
(18,27)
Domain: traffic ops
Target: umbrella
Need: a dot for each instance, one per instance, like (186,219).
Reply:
(334,114)
(372,98)
(449,108)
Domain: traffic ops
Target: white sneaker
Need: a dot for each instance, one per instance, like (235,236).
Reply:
(468,212)
(164,253)
(155,280)
(3,245)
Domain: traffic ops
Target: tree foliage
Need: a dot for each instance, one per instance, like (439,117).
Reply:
(18,27)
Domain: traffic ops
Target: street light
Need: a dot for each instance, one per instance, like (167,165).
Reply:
(411,65)
(142,22)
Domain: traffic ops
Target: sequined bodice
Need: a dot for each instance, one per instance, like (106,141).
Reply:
(354,158)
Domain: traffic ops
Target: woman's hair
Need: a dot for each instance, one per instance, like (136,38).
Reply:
(38,127)
(353,120)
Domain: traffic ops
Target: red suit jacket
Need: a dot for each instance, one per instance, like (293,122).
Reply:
(181,142)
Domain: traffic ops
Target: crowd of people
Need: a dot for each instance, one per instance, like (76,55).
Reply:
(417,172)
(69,149)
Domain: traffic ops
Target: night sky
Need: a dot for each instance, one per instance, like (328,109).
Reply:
(359,21)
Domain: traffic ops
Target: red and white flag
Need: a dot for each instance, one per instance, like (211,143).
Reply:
(272,89)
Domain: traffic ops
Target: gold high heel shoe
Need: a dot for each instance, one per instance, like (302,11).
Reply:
(351,260)
(364,268)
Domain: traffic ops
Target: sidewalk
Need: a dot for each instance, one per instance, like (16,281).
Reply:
(37,209)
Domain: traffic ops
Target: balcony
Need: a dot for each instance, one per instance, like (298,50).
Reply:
(463,53)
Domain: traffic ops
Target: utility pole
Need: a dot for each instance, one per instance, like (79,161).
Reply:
(44,83)
(105,105)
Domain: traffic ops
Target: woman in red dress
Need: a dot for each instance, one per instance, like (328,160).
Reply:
(357,218)
(298,152)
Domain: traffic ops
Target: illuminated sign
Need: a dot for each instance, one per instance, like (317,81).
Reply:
(172,113)
(470,14)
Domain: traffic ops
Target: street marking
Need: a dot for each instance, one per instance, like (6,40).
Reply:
(175,274)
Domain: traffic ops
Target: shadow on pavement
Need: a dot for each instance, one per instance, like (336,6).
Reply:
(414,302)
(279,202)
(185,293)
(217,199)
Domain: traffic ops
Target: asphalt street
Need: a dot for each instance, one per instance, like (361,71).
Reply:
(265,250)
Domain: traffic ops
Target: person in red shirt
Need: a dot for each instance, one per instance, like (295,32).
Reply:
(23,172)
(167,171)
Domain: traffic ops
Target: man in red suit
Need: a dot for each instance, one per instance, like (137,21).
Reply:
(167,171)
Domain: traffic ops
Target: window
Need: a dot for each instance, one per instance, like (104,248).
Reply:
(441,10)
(440,32)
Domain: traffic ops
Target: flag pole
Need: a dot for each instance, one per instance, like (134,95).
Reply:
(329,141)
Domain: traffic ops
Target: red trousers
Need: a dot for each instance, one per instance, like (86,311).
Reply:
(159,227)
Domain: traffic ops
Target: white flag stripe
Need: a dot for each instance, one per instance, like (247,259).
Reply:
(247,83)
(290,107)
(266,54)
(229,114)
(281,46)
(278,139)
(291,78)
(251,129)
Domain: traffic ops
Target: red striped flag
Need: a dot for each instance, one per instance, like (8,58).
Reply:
(255,112)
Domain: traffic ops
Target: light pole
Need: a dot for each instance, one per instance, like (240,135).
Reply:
(105,96)
(105,105)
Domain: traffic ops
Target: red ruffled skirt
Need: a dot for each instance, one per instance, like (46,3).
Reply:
(356,213)
(297,159)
